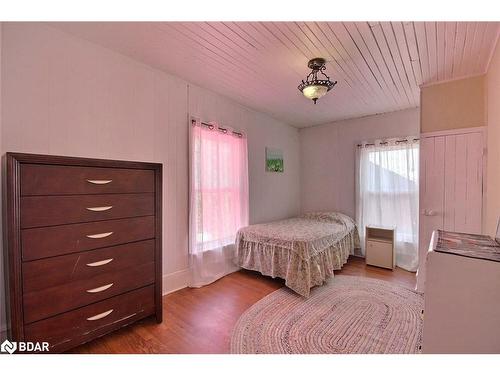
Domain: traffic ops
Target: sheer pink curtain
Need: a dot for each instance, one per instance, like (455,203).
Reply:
(218,201)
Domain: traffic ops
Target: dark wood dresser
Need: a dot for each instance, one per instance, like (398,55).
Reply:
(83,243)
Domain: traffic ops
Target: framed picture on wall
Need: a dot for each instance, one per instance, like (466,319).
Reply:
(274,160)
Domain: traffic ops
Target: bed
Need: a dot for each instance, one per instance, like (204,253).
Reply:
(304,251)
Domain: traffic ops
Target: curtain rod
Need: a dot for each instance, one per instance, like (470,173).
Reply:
(385,143)
(212,127)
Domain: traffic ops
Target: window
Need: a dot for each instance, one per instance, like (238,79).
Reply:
(388,194)
(218,197)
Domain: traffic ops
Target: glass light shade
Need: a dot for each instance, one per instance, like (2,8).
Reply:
(314,92)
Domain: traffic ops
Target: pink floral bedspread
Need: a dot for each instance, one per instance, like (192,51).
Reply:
(304,250)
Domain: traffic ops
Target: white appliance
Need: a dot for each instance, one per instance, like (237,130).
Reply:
(462,297)
(379,246)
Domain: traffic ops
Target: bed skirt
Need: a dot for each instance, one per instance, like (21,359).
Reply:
(299,274)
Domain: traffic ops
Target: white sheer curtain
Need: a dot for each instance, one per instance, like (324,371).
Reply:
(218,201)
(387,194)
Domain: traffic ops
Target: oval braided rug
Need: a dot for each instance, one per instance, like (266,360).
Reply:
(348,314)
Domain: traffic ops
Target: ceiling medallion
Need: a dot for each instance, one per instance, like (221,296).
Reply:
(313,87)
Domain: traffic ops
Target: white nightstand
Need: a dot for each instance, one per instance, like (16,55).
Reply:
(379,246)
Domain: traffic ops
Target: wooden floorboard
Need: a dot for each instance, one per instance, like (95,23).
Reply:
(200,320)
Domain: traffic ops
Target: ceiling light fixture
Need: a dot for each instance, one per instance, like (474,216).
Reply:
(313,87)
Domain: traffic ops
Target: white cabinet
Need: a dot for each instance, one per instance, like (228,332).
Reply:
(379,247)
(451,186)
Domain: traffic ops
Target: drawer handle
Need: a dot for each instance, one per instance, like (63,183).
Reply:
(99,182)
(101,315)
(100,263)
(99,209)
(100,289)
(100,235)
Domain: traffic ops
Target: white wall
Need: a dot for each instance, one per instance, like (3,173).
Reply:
(66,96)
(328,157)
(493,119)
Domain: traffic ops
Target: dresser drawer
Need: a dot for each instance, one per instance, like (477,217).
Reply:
(39,211)
(45,242)
(46,273)
(41,179)
(86,323)
(59,299)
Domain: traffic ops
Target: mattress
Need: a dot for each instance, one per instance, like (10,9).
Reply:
(304,251)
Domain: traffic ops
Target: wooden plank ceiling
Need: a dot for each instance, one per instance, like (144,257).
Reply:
(379,66)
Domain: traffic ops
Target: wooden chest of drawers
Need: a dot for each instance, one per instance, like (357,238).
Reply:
(83,246)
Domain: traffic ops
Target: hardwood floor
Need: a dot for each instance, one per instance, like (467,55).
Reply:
(201,320)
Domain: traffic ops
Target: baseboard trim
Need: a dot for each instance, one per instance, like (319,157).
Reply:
(175,281)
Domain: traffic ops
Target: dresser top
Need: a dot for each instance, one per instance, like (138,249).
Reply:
(468,245)
(80,161)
